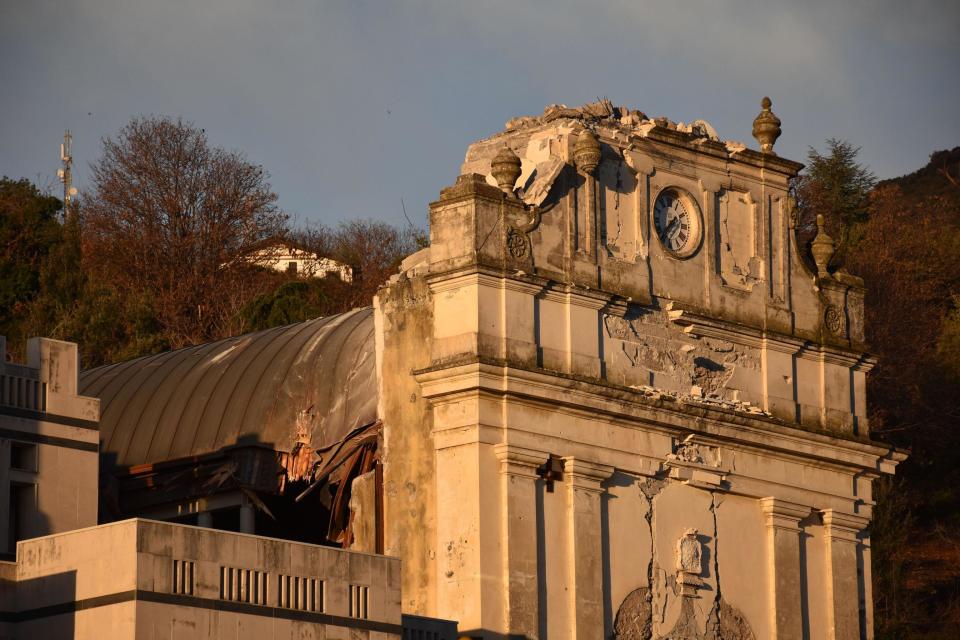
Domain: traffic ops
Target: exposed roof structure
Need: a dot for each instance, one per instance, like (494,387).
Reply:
(312,382)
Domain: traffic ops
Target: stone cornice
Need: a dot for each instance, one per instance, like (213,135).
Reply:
(717,150)
(474,273)
(843,526)
(782,514)
(586,475)
(519,461)
(768,435)
(699,325)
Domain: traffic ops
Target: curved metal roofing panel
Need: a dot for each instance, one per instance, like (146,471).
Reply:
(318,377)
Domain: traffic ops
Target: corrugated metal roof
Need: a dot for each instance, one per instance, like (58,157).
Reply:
(254,388)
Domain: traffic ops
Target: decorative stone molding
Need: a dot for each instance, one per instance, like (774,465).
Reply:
(833,320)
(689,566)
(518,244)
(586,153)
(505,169)
(766,127)
(586,475)
(519,461)
(688,450)
(782,514)
(843,526)
(696,464)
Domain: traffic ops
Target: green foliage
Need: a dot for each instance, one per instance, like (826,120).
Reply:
(837,186)
(295,301)
(28,231)
(840,183)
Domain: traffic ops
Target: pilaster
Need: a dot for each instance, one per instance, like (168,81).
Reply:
(518,477)
(841,532)
(584,480)
(783,566)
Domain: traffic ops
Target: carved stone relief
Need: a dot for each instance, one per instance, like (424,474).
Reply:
(687,450)
(727,623)
(517,243)
(740,266)
(634,621)
(833,320)
(689,553)
(665,357)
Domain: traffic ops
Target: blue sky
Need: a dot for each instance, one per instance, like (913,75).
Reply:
(352,105)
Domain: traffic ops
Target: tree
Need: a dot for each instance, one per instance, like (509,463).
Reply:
(29,230)
(836,185)
(296,301)
(373,250)
(907,252)
(168,219)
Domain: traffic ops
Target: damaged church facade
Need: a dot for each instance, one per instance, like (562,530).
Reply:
(612,399)
(620,402)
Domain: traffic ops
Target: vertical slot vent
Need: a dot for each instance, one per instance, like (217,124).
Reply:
(243,585)
(359,601)
(183,577)
(298,592)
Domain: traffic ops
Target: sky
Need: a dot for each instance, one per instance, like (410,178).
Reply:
(360,108)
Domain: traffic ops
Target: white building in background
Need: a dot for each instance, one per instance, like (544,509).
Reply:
(285,256)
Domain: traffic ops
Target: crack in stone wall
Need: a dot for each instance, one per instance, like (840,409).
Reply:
(639,612)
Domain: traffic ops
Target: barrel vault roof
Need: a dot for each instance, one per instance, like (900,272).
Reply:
(314,380)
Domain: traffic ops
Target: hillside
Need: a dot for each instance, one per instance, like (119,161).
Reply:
(909,255)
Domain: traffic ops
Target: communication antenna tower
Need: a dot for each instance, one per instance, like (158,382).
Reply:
(65,173)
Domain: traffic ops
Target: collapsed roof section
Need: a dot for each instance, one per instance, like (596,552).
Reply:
(311,383)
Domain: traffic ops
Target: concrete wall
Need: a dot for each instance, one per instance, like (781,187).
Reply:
(146,579)
(48,444)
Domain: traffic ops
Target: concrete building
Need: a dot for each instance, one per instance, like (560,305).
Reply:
(139,579)
(66,577)
(614,398)
(48,445)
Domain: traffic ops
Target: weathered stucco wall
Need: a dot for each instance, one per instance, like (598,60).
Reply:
(404,331)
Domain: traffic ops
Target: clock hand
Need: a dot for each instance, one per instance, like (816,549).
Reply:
(670,227)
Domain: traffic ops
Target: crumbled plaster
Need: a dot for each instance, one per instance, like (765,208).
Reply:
(541,180)
(734,147)
(618,122)
(634,617)
(699,370)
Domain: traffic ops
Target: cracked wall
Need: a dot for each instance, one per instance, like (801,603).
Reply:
(646,518)
(740,265)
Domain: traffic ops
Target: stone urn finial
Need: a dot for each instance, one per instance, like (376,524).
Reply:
(822,249)
(505,168)
(586,153)
(766,127)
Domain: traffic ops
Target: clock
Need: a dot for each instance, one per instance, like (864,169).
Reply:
(677,222)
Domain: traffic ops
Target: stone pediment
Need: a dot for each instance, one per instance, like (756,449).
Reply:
(599,228)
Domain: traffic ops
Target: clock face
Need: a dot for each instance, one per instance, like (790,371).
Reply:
(677,222)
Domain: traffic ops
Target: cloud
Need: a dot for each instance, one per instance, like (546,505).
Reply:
(351,104)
